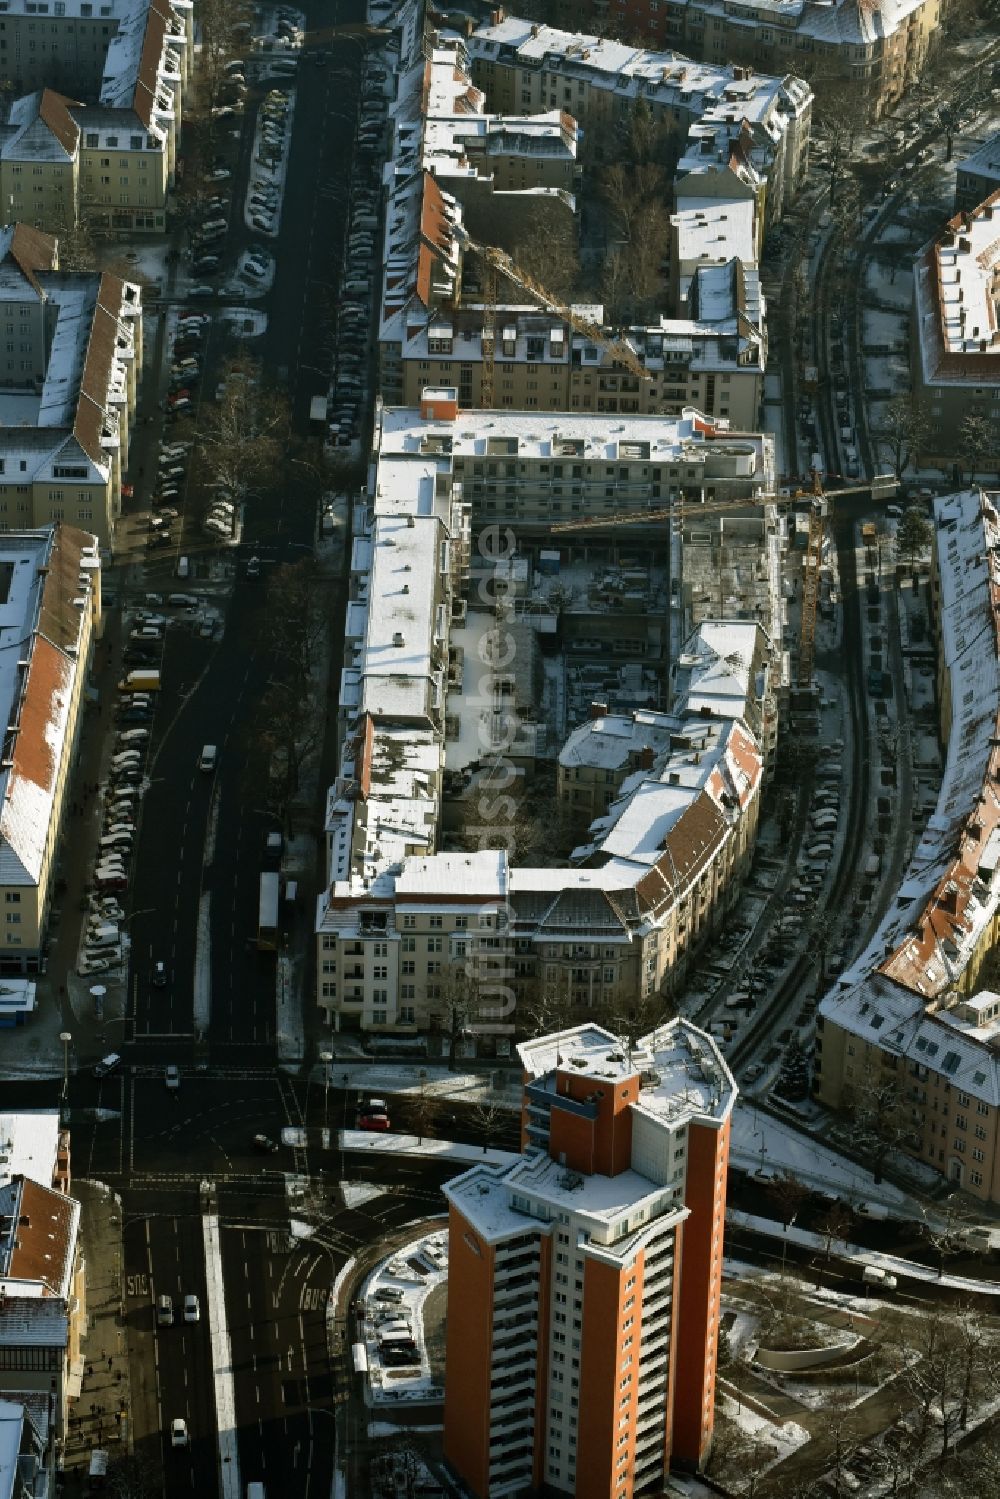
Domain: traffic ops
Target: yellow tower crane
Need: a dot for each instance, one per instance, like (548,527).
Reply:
(878,487)
(498,263)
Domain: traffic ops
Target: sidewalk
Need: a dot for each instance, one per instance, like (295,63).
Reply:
(100,1416)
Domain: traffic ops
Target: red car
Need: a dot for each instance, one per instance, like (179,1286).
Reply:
(128,491)
(376,1122)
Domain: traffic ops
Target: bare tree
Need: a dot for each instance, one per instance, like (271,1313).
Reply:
(291,731)
(789,1194)
(490,1117)
(978,444)
(838,122)
(243,439)
(946,1232)
(297,620)
(424,1110)
(835,1226)
(881,1118)
(902,432)
(548,252)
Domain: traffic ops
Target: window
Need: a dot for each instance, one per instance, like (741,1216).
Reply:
(409,922)
(976,1178)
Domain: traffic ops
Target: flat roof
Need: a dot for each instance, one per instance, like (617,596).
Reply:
(29,1144)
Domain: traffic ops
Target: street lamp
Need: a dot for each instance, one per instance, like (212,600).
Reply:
(65,1037)
(326,1057)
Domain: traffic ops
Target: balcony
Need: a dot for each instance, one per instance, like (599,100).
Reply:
(523,1307)
(507,1287)
(521,1397)
(514,1357)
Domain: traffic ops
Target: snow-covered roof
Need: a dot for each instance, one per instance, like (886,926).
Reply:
(28,1317)
(666,78)
(896,1021)
(714,232)
(956,288)
(681,1070)
(983,163)
(29,1144)
(139,70)
(690,438)
(950,892)
(681,1078)
(39,128)
(718,667)
(473,878)
(610,741)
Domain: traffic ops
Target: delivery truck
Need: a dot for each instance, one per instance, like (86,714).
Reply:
(140,681)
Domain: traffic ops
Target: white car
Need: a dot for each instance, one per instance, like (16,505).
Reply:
(178,1432)
(192,1309)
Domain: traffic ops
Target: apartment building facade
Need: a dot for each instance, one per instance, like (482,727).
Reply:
(713,359)
(111,160)
(68,402)
(978,176)
(873,51)
(717,107)
(51,598)
(524,468)
(906,1018)
(741,142)
(584,1279)
(64,44)
(955,343)
(407,935)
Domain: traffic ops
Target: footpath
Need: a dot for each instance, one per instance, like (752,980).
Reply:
(100,1414)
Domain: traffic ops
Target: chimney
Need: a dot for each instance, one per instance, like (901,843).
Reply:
(597,710)
(646,757)
(949,899)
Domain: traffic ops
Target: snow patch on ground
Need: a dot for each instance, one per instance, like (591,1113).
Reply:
(785,1438)
(356,1194)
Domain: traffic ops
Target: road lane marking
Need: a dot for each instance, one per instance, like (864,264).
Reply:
(222,1361)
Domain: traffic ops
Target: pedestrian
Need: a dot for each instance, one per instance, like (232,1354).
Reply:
(109,1363)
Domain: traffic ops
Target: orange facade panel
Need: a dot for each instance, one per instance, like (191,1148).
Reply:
(601,1442)
(601,1146)
(468,1354)
(700,1293)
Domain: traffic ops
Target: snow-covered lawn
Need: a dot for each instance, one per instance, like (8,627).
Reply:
(761,1143)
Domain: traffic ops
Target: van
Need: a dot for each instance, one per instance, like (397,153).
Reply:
(208,757)
(874,1275)
(103,936)
(164,1311)
(255,1490)
(389,1293)
(183,567)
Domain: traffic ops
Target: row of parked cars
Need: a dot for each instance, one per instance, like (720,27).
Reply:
(350,350)
(264,199)
(101,947)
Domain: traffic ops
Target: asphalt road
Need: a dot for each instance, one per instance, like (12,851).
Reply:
(175,1155)
(198,855)
(285,1234)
